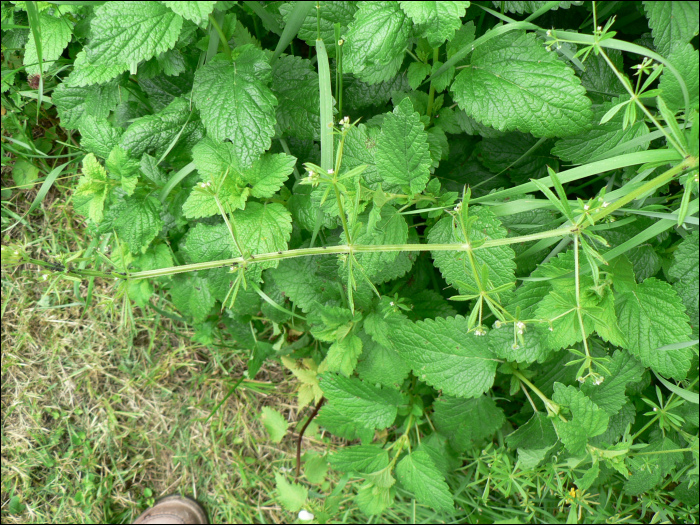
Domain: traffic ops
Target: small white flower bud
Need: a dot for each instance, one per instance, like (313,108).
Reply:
(341,42)
(654,409)
(391,303)
(331,172)
(586,206)
(606,204)
(497,324)
(305,515)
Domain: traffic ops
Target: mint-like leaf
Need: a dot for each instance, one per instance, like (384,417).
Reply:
(512,82)
(235,102)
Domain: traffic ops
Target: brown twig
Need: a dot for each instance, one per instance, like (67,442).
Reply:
(301,434)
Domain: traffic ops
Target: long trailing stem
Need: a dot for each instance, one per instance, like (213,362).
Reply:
(344,248)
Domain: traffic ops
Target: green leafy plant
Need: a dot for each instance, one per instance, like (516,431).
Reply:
(471,238)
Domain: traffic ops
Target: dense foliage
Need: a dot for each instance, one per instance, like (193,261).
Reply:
(470,228)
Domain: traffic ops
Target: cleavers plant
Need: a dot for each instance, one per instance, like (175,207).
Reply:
(472,238)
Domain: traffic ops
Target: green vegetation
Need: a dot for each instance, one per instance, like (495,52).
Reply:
(405,262)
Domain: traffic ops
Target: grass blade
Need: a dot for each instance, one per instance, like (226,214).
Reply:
(324,86)
(266,17)
(691,397)
(593,168)
(35,25)
(296,19)
(175,180)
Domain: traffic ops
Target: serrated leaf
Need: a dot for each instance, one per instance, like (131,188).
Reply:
(191,295)
(98,136)
(195,11)
(437,21)
(295,84)
(275,424)
(339,424)
(419,475)
(362,459)
(685,59)
(292,496)
(207,242)
(466,420)
(128,33)
(136,220)
(89,197)
(684,271)
(358,94)
(329,13)
(309,281)
(263,228)
(373,500)
(376,41)
(267,174)
(380,364)
(512,81)
(361,402)
(504,344)
(671,23)
(610,395)
(74,102)
(342,355)
(402,153)
(390,229)
(444,354)
(537,433)
(416,73)
(652,316)
(235,102)
(55,36)
(530,6)
(154,133)
(455,266)
(601,138)
(587,420)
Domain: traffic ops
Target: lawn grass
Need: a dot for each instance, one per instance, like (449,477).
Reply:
(100,416)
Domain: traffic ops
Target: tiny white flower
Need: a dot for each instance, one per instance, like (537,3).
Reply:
(520,325)
(44,277)
(340,42)
(391,303)
(520,332)
(305,515)
(549,32)
(16,252)
(478,331)
(600,28)
(606,204)
(601,379)
(497,324)
(331,172)
(347,119)
(580,379)
(654,409)
(586,206)
(551,329)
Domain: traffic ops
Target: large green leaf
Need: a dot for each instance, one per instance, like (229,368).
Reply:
(444,354)
(235,102)
(512,82)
